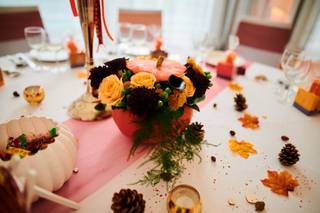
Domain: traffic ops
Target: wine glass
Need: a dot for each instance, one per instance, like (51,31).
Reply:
(55,45)
(139,34)
(296,68)
(233,42)
(35,36)
(36,39)
(124,36)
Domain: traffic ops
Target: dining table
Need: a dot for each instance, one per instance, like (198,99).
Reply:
(224,183)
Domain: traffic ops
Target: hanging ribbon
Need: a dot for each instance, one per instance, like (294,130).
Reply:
(104,21)
(73,7)
(97,18)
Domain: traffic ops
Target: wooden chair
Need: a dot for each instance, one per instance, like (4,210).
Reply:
(262,41)
(13,20)
(145,17)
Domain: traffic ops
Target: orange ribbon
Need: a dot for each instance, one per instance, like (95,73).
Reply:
(75,13)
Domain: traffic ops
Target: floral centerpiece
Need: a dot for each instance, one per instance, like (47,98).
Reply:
(152,103)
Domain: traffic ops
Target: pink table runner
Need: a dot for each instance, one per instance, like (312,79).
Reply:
(103,153)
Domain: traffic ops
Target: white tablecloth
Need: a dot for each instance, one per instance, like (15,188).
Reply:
(231,176)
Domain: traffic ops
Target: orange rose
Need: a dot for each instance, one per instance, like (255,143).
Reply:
(190,89)
(110,90)
(177,99)
(143,79)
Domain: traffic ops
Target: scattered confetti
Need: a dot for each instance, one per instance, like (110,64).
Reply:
(231,202)
(251,198)
(249,121)
(280,183)
(261,78)
(243,148)
(235,87)
(16,94)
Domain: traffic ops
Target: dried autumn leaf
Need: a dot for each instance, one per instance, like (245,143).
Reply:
(280,183)
(249,121)
(235,87)
(243,148)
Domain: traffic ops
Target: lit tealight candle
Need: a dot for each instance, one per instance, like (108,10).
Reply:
(183,199)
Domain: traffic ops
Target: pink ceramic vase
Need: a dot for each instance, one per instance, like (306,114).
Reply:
(126,122)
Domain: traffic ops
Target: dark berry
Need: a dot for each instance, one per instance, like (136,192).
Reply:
(213,159)
(232,133)
(16,94)
(284,138)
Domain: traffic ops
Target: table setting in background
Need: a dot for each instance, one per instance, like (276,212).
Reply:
(133,129)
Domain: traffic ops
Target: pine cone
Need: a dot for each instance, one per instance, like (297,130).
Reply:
(289,155)
(128,200)
(195,132)
(240,103)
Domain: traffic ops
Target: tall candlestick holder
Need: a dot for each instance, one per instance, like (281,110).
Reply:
(84,107)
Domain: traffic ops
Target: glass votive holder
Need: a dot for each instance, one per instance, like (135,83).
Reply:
(183,199)
(34,94)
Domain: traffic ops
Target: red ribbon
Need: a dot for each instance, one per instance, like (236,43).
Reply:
(104,21)
(73,7)
(75,13)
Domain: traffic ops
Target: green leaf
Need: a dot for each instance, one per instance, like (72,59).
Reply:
(53,132)
(23,141)
(100,107)
(194,106)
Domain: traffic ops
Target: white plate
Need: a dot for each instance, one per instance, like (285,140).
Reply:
(49,56)
(213,57)
(137,51)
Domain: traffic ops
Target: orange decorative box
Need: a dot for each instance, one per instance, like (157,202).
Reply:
(225,70)
(307,102)
(77,59)
(315,87)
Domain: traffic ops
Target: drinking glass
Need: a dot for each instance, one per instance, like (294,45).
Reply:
(35,36)
(36,39)
(139,34)
(55,45)
(233,42)
(124,36)
(296,68)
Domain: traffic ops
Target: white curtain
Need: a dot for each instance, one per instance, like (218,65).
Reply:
(305,22)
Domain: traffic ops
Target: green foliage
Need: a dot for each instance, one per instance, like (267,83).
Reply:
(23,141)
(170,154)
(126,75)
(53,132)
(100,107)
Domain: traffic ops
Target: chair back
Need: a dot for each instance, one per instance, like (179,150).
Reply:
(264,35)
(13,20)
(146,17)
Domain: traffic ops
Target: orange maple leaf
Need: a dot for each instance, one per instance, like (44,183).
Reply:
(243,148)
(235,87)
(280,183)
(249,121)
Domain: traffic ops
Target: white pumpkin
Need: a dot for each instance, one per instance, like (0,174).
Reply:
(54,165)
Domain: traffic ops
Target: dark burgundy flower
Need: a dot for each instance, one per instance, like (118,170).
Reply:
(97,74)
(199,81)
(143,101)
